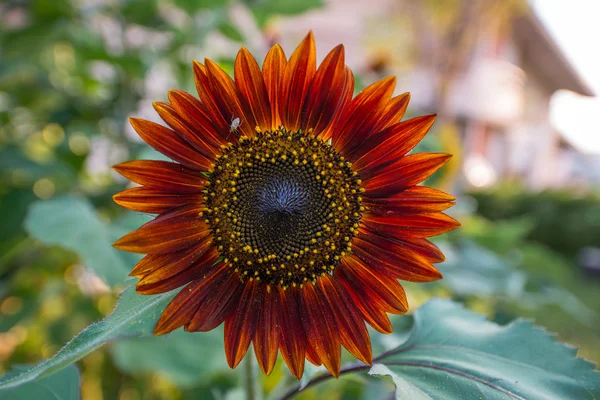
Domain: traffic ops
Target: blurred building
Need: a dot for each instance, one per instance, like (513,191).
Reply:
(500,100)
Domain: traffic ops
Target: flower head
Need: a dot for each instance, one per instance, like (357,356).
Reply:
(290,210)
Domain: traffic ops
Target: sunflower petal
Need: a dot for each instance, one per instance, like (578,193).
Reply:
(273,68)
(162,175)
(325,92)
(353,332)
(266,337)
(297,77)
(293,338)
(393,113)
(171,231)
(183,306)
(344,100)
(321,327)
(411,226)
(251,84)
(152,200)
(169,143)
(402,174)
(414,200)
(221,121)
(391,144)
(240,325)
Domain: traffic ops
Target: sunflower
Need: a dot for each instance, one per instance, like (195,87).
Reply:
(290,210)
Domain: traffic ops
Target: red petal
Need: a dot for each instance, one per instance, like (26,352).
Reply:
(361,114)
(180,126)
(387,293)
(293,337)
(249,80)
(177,259)
(241,324)
(395,259)
(345,98)
(393,113)
(273,69)
(171,231)
(353,332)
(392,143)
(371,312)
(414,200)
(195,115)
(162,175)
(321,328)
(411,226)
(169,143)
(266,337)
(218,304)
(153,200)
(222,122)
(297,77)
(229,99)
(183,306)
(164,280)
(325,92)
(402,174)
(312,356)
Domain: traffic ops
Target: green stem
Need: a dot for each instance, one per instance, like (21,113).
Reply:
(250,378)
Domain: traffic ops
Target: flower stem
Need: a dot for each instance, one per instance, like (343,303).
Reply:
(250,378)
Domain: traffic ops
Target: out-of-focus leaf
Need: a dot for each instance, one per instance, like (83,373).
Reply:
(263,9)
(473,270)
(185,358)
(454,353)
(64,385)
(134,315)
(230,30)
(191,6)
(72,223)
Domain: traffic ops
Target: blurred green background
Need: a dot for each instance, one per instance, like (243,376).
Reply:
(72,71)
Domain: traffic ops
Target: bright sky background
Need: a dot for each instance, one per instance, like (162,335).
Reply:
(575,25)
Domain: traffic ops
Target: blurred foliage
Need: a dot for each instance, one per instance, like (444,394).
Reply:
(71,74)
(562,220)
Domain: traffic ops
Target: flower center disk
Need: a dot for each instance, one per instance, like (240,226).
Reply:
(283,207)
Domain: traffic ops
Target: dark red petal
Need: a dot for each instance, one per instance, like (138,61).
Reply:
(297,77)
(178,260)
(266,337)
(221,122)
(154,200)
(371,312)
(312,356)
(169,143)
(171,231)
(218,304)
(321,328)
(386,292)
(273,69)
(345,98)
(241,324)
(229,99)
(353,332)
(414,200)
(325,92)
(361,114)
(411,226)
(249,80)
(392,143)
(164,280)
(293,338)
(393,113)
(195,115)
(395,259)
(185,131)
(402,174)
(183,306)
(162,175)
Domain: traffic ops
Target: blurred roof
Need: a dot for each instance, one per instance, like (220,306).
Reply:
(544,53)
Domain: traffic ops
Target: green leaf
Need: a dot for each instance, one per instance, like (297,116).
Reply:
(134,315)
(456,354)
(63,385)
(72,223)
(185,358)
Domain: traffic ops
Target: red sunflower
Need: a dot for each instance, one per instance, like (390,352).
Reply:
(290,210)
